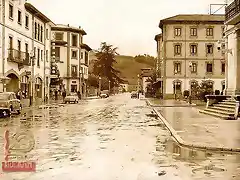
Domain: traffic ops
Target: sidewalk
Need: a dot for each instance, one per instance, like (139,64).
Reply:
(167,103)
(192,129)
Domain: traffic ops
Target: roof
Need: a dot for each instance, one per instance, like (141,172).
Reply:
(29,7)
(85,46)
(194,18)
(63,27)
(157,37)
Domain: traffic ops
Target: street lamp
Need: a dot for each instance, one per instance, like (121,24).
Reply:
(190,91)
(109,86)
(100,85)
(32,56)
(138,84)
(175,87)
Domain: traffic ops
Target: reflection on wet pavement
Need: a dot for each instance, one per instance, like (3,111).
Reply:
(110,139)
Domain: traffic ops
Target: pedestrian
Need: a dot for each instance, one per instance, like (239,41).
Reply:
(56,95)
(64,94)
(79,95)
(18,94)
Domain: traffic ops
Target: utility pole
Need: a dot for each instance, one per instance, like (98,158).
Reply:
(3,44)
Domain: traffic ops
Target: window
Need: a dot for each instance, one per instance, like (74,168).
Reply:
(38,58)
(223,68)
(209,68)
(209,49)
(35,33)
(26,47)
(41,35)
(10,11)
(74,40)
(59,36)
(19,45)
(209,31)
(38,35)
(223,31)
(57,53)
(10,42)
(193,31)
(86,57)
(194,67)
(74,71)
(46,55)
(26,21)
(177,67)
(177,49)
(193,49)
(35,52)
(74,54)
(41,54)
(19,17)
(177,31)
(81,55)
(46,33)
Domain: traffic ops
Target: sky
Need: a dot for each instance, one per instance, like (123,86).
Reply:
(130,25)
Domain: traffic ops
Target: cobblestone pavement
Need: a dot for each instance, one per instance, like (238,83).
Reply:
(116,138)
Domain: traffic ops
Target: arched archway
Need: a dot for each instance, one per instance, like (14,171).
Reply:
(38,87)
(13,85)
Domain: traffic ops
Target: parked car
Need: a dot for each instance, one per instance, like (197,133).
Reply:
(104,94)
(9,104)
(134,94)
(72,97)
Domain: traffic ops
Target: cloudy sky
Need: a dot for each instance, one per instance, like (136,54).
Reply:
(128,24)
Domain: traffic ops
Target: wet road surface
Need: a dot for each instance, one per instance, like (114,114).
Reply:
(111,139)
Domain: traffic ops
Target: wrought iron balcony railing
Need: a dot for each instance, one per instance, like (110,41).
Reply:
(19,57)
(232,10)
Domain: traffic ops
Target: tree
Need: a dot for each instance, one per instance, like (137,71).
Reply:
(104,65)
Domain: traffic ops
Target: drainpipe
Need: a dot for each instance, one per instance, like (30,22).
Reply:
(44,63)
(3,43)
(32,98)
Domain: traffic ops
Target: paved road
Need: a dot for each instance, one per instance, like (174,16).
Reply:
(111,139)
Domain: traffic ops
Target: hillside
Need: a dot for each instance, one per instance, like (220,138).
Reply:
(129,66)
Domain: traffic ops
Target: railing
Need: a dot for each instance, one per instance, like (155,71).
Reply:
(18,57)
(232,10)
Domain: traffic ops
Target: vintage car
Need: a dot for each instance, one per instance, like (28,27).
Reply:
(104,94)
(72,97)
(134,94)
(9,104)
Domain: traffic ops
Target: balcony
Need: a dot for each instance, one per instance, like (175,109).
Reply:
(19,57)
(232,13)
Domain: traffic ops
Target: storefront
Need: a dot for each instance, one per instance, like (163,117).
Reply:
(38,87)
(25,86)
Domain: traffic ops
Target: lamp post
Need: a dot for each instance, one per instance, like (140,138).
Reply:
(138,85)
(190,91)
(100,85)
(32,56)
(175,87)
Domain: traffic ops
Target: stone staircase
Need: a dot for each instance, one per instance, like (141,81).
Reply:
(224,109)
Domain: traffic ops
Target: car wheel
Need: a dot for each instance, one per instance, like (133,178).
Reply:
(20,109)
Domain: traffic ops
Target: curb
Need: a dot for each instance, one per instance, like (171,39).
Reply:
(153,105)
(181,142)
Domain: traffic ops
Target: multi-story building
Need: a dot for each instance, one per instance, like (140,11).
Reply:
(188,53)
(25,43)
(232,33)
(71,57)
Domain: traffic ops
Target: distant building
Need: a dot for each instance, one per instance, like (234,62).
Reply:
(188,55)
(146,73)
(71,57)
(123,87)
